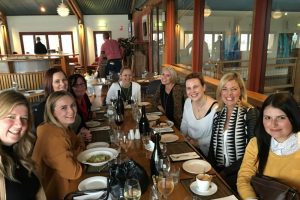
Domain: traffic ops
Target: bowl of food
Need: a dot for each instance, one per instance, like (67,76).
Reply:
(96,157)
(165,124)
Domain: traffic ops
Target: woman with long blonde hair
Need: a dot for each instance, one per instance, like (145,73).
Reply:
(17,178)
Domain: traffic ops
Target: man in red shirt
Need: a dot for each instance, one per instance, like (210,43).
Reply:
(111,51)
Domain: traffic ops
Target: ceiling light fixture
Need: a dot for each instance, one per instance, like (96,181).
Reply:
(276,14)
(207,11)
(62,9)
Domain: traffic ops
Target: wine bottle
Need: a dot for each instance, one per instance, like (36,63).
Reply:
(144,123)
(156,155)
(120,104)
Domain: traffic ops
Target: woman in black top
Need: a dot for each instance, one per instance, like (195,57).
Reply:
(17,180)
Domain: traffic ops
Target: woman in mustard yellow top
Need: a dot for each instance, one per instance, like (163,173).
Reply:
(57,146)
(275,151)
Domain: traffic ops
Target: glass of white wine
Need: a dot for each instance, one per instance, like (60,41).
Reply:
(165,185)
(132,189)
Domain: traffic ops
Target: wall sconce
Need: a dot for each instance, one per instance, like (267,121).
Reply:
(276,14)
(62,9)
(102,24)
(207,11)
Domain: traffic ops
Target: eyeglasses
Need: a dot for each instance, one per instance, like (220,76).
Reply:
(79,85)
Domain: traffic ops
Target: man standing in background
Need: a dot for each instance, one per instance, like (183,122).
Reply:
(39,48)
(111,51)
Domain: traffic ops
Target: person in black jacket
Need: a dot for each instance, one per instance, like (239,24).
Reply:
(39,48)
(233,127)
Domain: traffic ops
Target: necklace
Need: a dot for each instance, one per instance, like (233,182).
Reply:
(126,92)
(198,109)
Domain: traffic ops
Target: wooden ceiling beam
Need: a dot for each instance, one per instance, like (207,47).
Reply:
(76,10)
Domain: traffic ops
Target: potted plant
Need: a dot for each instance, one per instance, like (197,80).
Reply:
(127,45)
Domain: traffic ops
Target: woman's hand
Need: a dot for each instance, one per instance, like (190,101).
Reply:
(161,109)
(86,134)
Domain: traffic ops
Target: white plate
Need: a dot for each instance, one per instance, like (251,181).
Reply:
(92,123)
(165,138)
(95,182)
(196,166)
(144,103)
(83,156)
(102,128)
(113,151)
(151,117)
(97,144)
(166,124)
(211,190)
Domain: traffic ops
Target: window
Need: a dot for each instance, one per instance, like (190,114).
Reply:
(54,41)
(98,39)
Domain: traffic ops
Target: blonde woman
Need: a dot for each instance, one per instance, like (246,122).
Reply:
(169,97)
(57,146)
(233,127)
(17,180)
(130,90)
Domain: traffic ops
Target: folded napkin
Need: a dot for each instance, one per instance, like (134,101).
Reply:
(102,128)
(89,196)
(231,197)
(155,113)
(164,130)
(184,156)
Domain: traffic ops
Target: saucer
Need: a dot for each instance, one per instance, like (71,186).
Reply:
(212,189)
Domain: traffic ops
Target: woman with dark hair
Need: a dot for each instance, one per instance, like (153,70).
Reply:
(198,113)
(17,180)
(78,87)
(55,80)
(275,151)
(233,127)
(57,146)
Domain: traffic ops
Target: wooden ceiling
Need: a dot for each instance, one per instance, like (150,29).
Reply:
(87,7)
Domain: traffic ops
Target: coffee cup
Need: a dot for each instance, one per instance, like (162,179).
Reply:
(203,182)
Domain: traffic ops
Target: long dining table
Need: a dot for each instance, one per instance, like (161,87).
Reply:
(138,153)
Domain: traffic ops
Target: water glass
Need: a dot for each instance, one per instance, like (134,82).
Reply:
(175,173)
(132,189)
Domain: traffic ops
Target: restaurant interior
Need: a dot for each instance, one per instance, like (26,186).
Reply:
(259,39)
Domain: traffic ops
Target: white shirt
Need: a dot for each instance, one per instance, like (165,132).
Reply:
(113,92)
(198,129)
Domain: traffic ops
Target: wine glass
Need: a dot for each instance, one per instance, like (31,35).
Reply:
(125,142)
(165,185)
(132,189)
(119,119)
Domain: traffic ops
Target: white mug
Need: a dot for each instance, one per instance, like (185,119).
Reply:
(203,182)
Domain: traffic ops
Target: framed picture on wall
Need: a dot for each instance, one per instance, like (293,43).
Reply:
(145,27)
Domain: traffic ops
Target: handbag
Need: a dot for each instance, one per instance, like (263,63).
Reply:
(129,169)
(267,188)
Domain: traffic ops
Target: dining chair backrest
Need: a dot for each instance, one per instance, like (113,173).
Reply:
(152,87)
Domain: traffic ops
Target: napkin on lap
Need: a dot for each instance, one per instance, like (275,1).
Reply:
(184,156)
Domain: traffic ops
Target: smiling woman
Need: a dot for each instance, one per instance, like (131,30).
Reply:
(16,143)
(56,156)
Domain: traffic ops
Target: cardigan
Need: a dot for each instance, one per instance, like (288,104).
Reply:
(284,168)
(241,127)
(39,196)
(113,92)
(198,129)
(55,155)
(178,95)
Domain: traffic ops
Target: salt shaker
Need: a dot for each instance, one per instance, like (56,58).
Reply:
(131,134)
(137,134)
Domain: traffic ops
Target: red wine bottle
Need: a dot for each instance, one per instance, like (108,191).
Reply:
(156,155)
(144,123)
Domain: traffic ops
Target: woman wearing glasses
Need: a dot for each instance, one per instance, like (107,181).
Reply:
(78,87)
(233,127)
